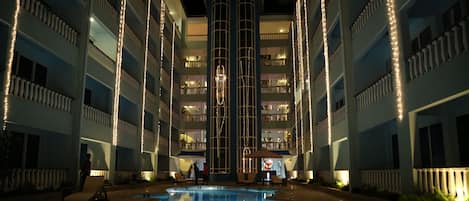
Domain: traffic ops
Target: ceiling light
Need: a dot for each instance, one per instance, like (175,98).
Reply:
(282,30)
(91,19)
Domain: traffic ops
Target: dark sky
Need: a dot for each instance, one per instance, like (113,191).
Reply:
(196,8)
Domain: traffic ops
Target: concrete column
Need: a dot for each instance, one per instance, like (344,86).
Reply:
(79,86)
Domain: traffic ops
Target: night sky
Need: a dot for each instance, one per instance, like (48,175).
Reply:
(196,8)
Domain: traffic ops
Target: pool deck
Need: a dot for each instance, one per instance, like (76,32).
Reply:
(290,192)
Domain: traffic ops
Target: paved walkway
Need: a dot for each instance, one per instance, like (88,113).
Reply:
(289,192)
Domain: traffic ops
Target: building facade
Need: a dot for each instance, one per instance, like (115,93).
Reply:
(363,92)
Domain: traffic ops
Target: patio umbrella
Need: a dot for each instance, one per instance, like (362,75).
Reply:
(263,153)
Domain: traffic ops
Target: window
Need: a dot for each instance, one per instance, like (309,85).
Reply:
(25,68)
(87,99)
(432,150)
(40,75)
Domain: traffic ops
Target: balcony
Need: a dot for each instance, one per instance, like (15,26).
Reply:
(193,90)
(366,14)
(193,146)
(195,118)
(148,140)
(382,87)
(338,116)
(277,146)
(40,10)
(97,116)
(39,94)
(275,89)
(443,49)
(129,79)
(274,36)
(127,135)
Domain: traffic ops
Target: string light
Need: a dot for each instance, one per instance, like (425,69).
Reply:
(395,55)
(117,82)
(171,90)
(145,66)
(162,26)
(294,81)
(326,70)
(9,64)
(300,68)
(308,79)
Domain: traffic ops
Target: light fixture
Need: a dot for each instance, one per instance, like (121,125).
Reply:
(8,68)
(171,12)
(282,30)
(91,19)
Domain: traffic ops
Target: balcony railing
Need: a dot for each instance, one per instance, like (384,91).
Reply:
(273,36)
(195,118)
(273,62)
(277,146)
(196,37)
(39,94)
(366,13)
(388,180)
(40,179)
(452,181)
(193,146)
(96,115)
(322,126)
(275,117)
(275,89)
(193,90)
(380,88)
(38,9)
(195,64)
(443,49)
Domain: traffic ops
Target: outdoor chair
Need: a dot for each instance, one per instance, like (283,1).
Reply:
(92,189)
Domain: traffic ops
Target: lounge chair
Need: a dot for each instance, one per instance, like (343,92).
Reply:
(93,188)
(276,179)
(179,178)
(246,178)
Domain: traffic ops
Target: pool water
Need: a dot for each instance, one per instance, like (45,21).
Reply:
(213,193)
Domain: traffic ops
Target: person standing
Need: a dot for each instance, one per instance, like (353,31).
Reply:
(85,170)
(196,171)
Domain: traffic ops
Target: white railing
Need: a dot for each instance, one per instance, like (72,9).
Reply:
(388,180)
(382,87)
(196,37)
(195,64)
(273,62)
(193,90)
(41,179)
(96,115)
(195,118)
(275,117)
(452,181)
(338,115)
(132,35)
(39,94)
(129,79)
(102,173)
(275,89)
(105,5)
(193,146)
(38,9)
(273,36)
(443,49)
(276,146)
(366,13)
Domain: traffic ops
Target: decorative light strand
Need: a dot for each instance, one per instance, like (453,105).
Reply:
(308,78)
(300,68)
(117,81)
(294,82)
(9,63)
(326,70)
(162,26)
(145,65)
(395,49)
(171,90)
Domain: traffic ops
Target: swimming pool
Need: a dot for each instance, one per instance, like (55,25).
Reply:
(213,193)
